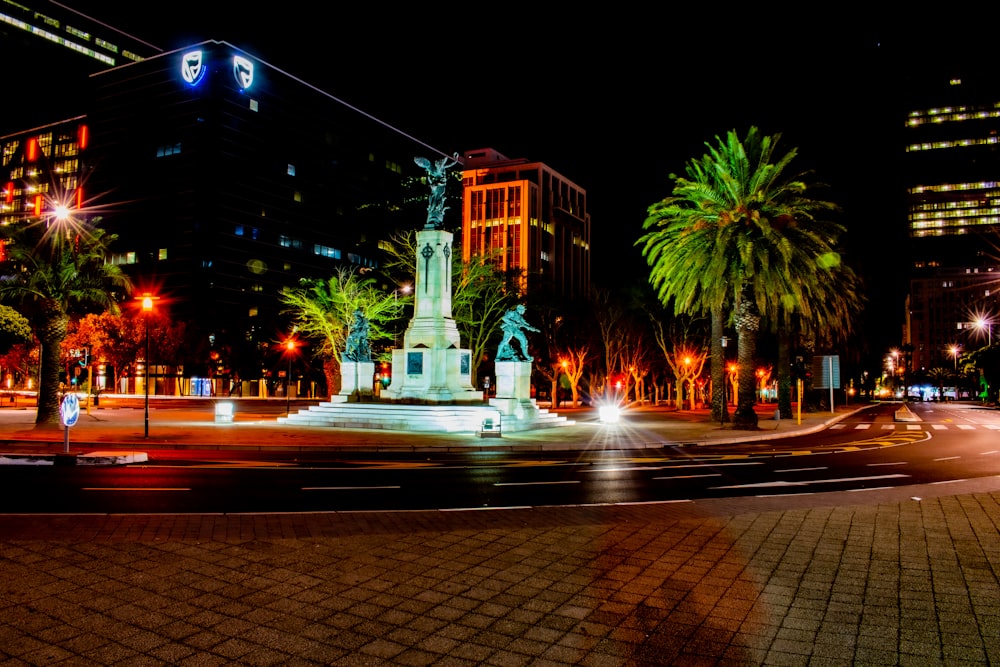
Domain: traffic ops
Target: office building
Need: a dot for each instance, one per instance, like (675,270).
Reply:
(952,179)
(528,218)
(226,180)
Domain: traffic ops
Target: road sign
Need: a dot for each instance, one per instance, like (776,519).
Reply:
(826,372)
(69,409)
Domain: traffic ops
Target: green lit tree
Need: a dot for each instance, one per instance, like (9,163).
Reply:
(58,271)
(739,234)
(322,310)
(15,329)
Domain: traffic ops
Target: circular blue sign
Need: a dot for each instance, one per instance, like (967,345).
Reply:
(69,409)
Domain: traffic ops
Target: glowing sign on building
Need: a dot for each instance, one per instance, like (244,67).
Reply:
(243,71)
(192,67)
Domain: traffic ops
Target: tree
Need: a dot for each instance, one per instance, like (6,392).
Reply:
(740,233)
(59,271)
(15,329)
(322,310)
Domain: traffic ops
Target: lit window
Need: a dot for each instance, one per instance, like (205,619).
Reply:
(297,196)
(162,254)
(291,170)
(239,230)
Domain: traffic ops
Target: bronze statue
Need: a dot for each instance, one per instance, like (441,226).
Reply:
(359,348)
(513,325)
(437,179)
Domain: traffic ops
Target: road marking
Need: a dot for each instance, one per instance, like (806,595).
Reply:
(132,488)
(778,483)
(347,488)
(895,463)
(802,469)
(888,427)
(567,481)
(947,458)
(717,474)
(966,427)
(939,427)
(862,427)
(992,427)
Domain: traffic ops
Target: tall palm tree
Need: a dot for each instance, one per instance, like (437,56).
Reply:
(740,233)
(59,271)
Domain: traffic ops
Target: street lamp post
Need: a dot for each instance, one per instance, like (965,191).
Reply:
(290,346)
(147,308)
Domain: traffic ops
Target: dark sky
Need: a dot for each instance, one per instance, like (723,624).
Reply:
(615,102)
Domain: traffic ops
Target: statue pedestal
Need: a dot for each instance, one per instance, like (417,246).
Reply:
(355,376)
(513,397)
(432,366)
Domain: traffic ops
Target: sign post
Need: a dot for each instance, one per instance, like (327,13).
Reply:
(69,411)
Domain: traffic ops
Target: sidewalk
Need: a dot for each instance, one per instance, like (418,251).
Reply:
(881,577)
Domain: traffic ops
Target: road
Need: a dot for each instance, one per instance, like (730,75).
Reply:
(868,451)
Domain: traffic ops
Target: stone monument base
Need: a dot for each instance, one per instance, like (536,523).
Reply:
(355,377)
(432,375)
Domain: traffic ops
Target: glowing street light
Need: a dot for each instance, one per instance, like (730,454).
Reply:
(147,300)
(290,345)
(983,323)
(954,350)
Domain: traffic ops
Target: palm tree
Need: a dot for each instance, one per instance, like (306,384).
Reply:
(63,273)
(739,232)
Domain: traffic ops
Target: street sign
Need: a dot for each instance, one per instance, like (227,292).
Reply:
(69,410)
(826,372)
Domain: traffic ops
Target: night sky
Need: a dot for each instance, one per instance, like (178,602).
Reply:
(617,102)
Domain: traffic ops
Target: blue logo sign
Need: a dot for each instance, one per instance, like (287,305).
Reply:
(69,409)
(192,67)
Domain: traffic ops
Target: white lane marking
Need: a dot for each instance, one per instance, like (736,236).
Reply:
(888,427)
(893,463)
(862,427)
(347,488)
(717,474)
(966,427)
(947,458)
(939,427)
(802,469)
(805,483)
(567,481)
(992,427)
(835,426)
(914,427)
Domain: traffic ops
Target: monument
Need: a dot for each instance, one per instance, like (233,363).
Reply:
(431,388)
(432,366)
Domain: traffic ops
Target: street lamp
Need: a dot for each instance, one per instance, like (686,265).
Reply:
(147,300)
(983,323)
(290,347)
(955,349)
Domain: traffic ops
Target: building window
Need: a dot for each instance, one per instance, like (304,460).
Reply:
(238,231)
(162,255)
(297,196)
(326,251)
(291,170)
(168,149)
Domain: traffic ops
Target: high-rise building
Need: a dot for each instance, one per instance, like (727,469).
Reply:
(527,217)
(225,179)
(952,178)
(48,50)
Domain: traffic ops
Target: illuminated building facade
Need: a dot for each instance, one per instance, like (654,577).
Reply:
(225,180)
(952,180)
(527,217)
(236,180)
